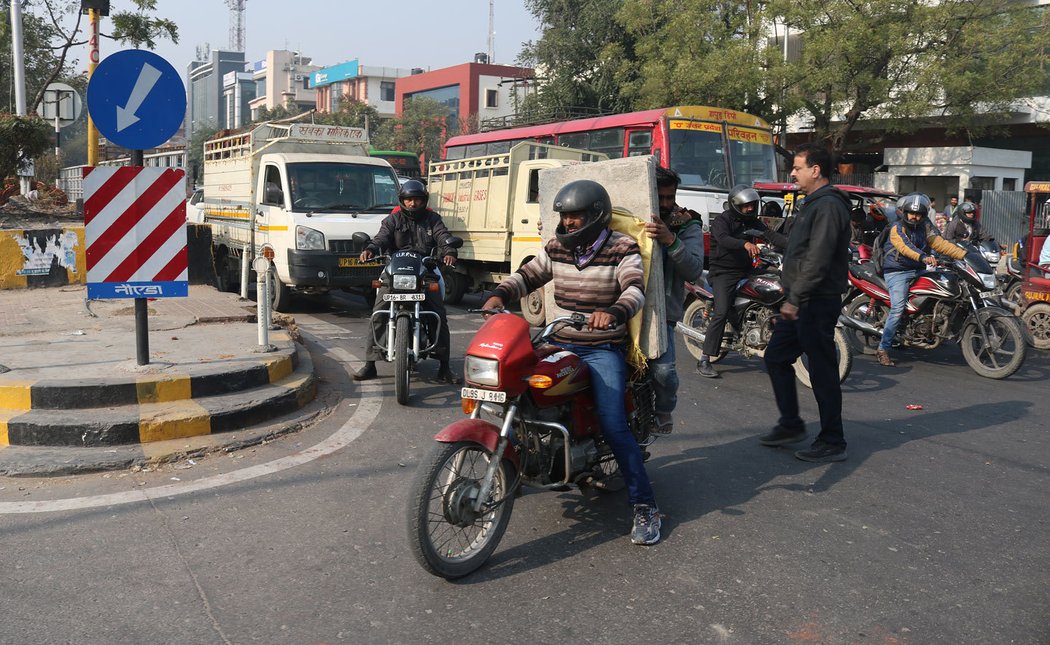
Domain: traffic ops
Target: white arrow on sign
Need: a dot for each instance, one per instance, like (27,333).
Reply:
(148,77)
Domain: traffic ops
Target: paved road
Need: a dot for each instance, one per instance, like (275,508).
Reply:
(934,531)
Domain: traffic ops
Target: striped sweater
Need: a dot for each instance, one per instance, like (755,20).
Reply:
(611,281)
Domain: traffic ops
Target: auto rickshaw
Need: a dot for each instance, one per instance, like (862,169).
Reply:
(1035,288)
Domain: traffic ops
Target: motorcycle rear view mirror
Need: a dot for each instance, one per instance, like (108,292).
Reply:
(360,238)
(454,242)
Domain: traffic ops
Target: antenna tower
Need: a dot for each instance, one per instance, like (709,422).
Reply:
(237,28)
(492,31)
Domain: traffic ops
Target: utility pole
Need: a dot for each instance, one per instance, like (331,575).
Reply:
(492,32)
(95,10)
(19,76)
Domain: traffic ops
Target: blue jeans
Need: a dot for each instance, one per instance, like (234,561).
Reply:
(897,283)
(664,373)
(608,384)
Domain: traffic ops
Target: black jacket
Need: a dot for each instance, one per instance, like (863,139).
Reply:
(959,230)
(399,232)
(816,263)
(727,241)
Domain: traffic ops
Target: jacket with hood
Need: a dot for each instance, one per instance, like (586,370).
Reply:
(816,263)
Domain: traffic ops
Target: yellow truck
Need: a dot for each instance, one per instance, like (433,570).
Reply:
(492,202)
(296,193)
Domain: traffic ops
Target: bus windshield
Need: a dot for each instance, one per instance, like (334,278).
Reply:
(341,186)
(406,164)
(702,160)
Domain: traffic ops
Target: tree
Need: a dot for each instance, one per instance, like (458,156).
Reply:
(352,114)
(22,138)
(956,63)
(422,128)
(585,56)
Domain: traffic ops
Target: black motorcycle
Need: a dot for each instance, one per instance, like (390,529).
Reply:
(754,313)
(411,329)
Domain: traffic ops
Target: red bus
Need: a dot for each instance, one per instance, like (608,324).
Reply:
(713,149)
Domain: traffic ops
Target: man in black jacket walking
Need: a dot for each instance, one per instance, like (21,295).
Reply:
(814,276)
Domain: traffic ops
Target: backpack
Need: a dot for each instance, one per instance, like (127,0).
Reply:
(878,253)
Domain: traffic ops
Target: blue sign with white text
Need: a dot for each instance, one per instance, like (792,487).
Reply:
(136,99)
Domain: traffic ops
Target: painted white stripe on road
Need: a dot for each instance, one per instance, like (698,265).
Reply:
(361,418)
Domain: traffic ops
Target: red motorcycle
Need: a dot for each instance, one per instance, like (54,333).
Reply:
(532,422)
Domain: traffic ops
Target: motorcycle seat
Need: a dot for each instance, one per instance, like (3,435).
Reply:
(866,271)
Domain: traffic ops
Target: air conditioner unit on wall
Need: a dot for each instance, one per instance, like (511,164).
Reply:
(297,77)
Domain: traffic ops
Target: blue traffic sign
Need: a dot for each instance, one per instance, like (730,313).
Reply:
(136,99)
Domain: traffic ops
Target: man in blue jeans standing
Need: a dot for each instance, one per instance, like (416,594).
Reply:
(596,272)
(814,276)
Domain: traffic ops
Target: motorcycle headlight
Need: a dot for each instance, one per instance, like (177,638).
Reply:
(404,282)
(988,280)
(308,239)
(481,371)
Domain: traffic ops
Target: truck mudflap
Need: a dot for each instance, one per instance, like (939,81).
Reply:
(328,269)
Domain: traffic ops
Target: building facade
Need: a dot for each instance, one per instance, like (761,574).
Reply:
(205,104)
(374,86)
(282,80)
(471,92)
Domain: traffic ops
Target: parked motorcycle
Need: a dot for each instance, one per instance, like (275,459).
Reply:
(755,309)
(957,300)
(411,329)
(532,422)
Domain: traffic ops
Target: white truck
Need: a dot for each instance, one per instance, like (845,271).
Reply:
(492,202)
(295,193)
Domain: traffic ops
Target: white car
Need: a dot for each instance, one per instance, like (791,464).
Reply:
(194,210)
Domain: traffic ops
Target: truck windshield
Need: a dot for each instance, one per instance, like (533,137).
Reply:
(341,186)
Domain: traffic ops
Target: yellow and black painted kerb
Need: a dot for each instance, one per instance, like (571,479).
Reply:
(175,407)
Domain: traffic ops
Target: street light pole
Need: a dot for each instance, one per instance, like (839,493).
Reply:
(19,74)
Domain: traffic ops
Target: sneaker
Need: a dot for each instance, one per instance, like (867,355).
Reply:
(664,423)
(781,435)
(821,452)
(646,524)
(703,368)
(883,357)
(367,372)
(445,375)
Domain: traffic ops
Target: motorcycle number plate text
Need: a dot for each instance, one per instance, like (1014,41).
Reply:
(483,395)
(356,262)
(401,297)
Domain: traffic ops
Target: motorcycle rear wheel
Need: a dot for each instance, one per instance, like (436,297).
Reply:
(1005,352)
(402,360)
(844,353)
(447,537)
(696,316)
(875,314)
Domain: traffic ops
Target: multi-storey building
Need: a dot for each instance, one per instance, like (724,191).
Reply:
(282,80)
(205,93)
(352,80)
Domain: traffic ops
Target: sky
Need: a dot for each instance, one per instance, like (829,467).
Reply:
(430,34)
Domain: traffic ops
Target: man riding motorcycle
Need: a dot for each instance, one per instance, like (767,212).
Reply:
(907,251)
(732,254)
(965,227)
(411,226)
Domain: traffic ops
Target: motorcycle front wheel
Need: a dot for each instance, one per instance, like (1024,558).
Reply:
(1004,352)
(402,360)
(447,536)
(843,354)
(862,308)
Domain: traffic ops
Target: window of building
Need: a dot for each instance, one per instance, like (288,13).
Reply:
(1009,183)
(491,98)
(386,91)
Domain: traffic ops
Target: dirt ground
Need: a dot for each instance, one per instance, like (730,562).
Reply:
(20,213)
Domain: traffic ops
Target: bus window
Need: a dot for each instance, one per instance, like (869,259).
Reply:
(698,157)
(751,162)
(639,142)
(499,147)
(455,152)
(477,150)
(574,140)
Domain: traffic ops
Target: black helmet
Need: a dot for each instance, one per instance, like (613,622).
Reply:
(968,212)
(590,198)
(413,188)
(742,196)
(913,203)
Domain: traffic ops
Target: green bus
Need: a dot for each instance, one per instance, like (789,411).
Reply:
(405,164)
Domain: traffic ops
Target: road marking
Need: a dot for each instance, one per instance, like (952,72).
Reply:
(361,418)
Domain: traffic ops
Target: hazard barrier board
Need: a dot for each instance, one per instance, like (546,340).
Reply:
(135,232)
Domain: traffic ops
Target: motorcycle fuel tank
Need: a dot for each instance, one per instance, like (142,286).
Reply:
(939,284)
(567,371)
(765,289)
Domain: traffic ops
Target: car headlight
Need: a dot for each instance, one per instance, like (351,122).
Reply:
(988,280)
(404,282)
(481,371)
(308,239)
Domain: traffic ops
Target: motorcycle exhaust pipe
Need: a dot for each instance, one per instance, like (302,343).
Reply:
(686,330)
(859,325)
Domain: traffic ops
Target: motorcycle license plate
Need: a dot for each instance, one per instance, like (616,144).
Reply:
(356,262)
(402,297)
(483,395)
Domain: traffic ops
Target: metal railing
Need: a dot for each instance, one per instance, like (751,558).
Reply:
(523,119)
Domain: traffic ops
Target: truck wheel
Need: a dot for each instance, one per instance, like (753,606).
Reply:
(224,277)
(532,308)
(281,294)
(370,295)
(455,287)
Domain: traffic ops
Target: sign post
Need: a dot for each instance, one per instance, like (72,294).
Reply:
(135,217)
